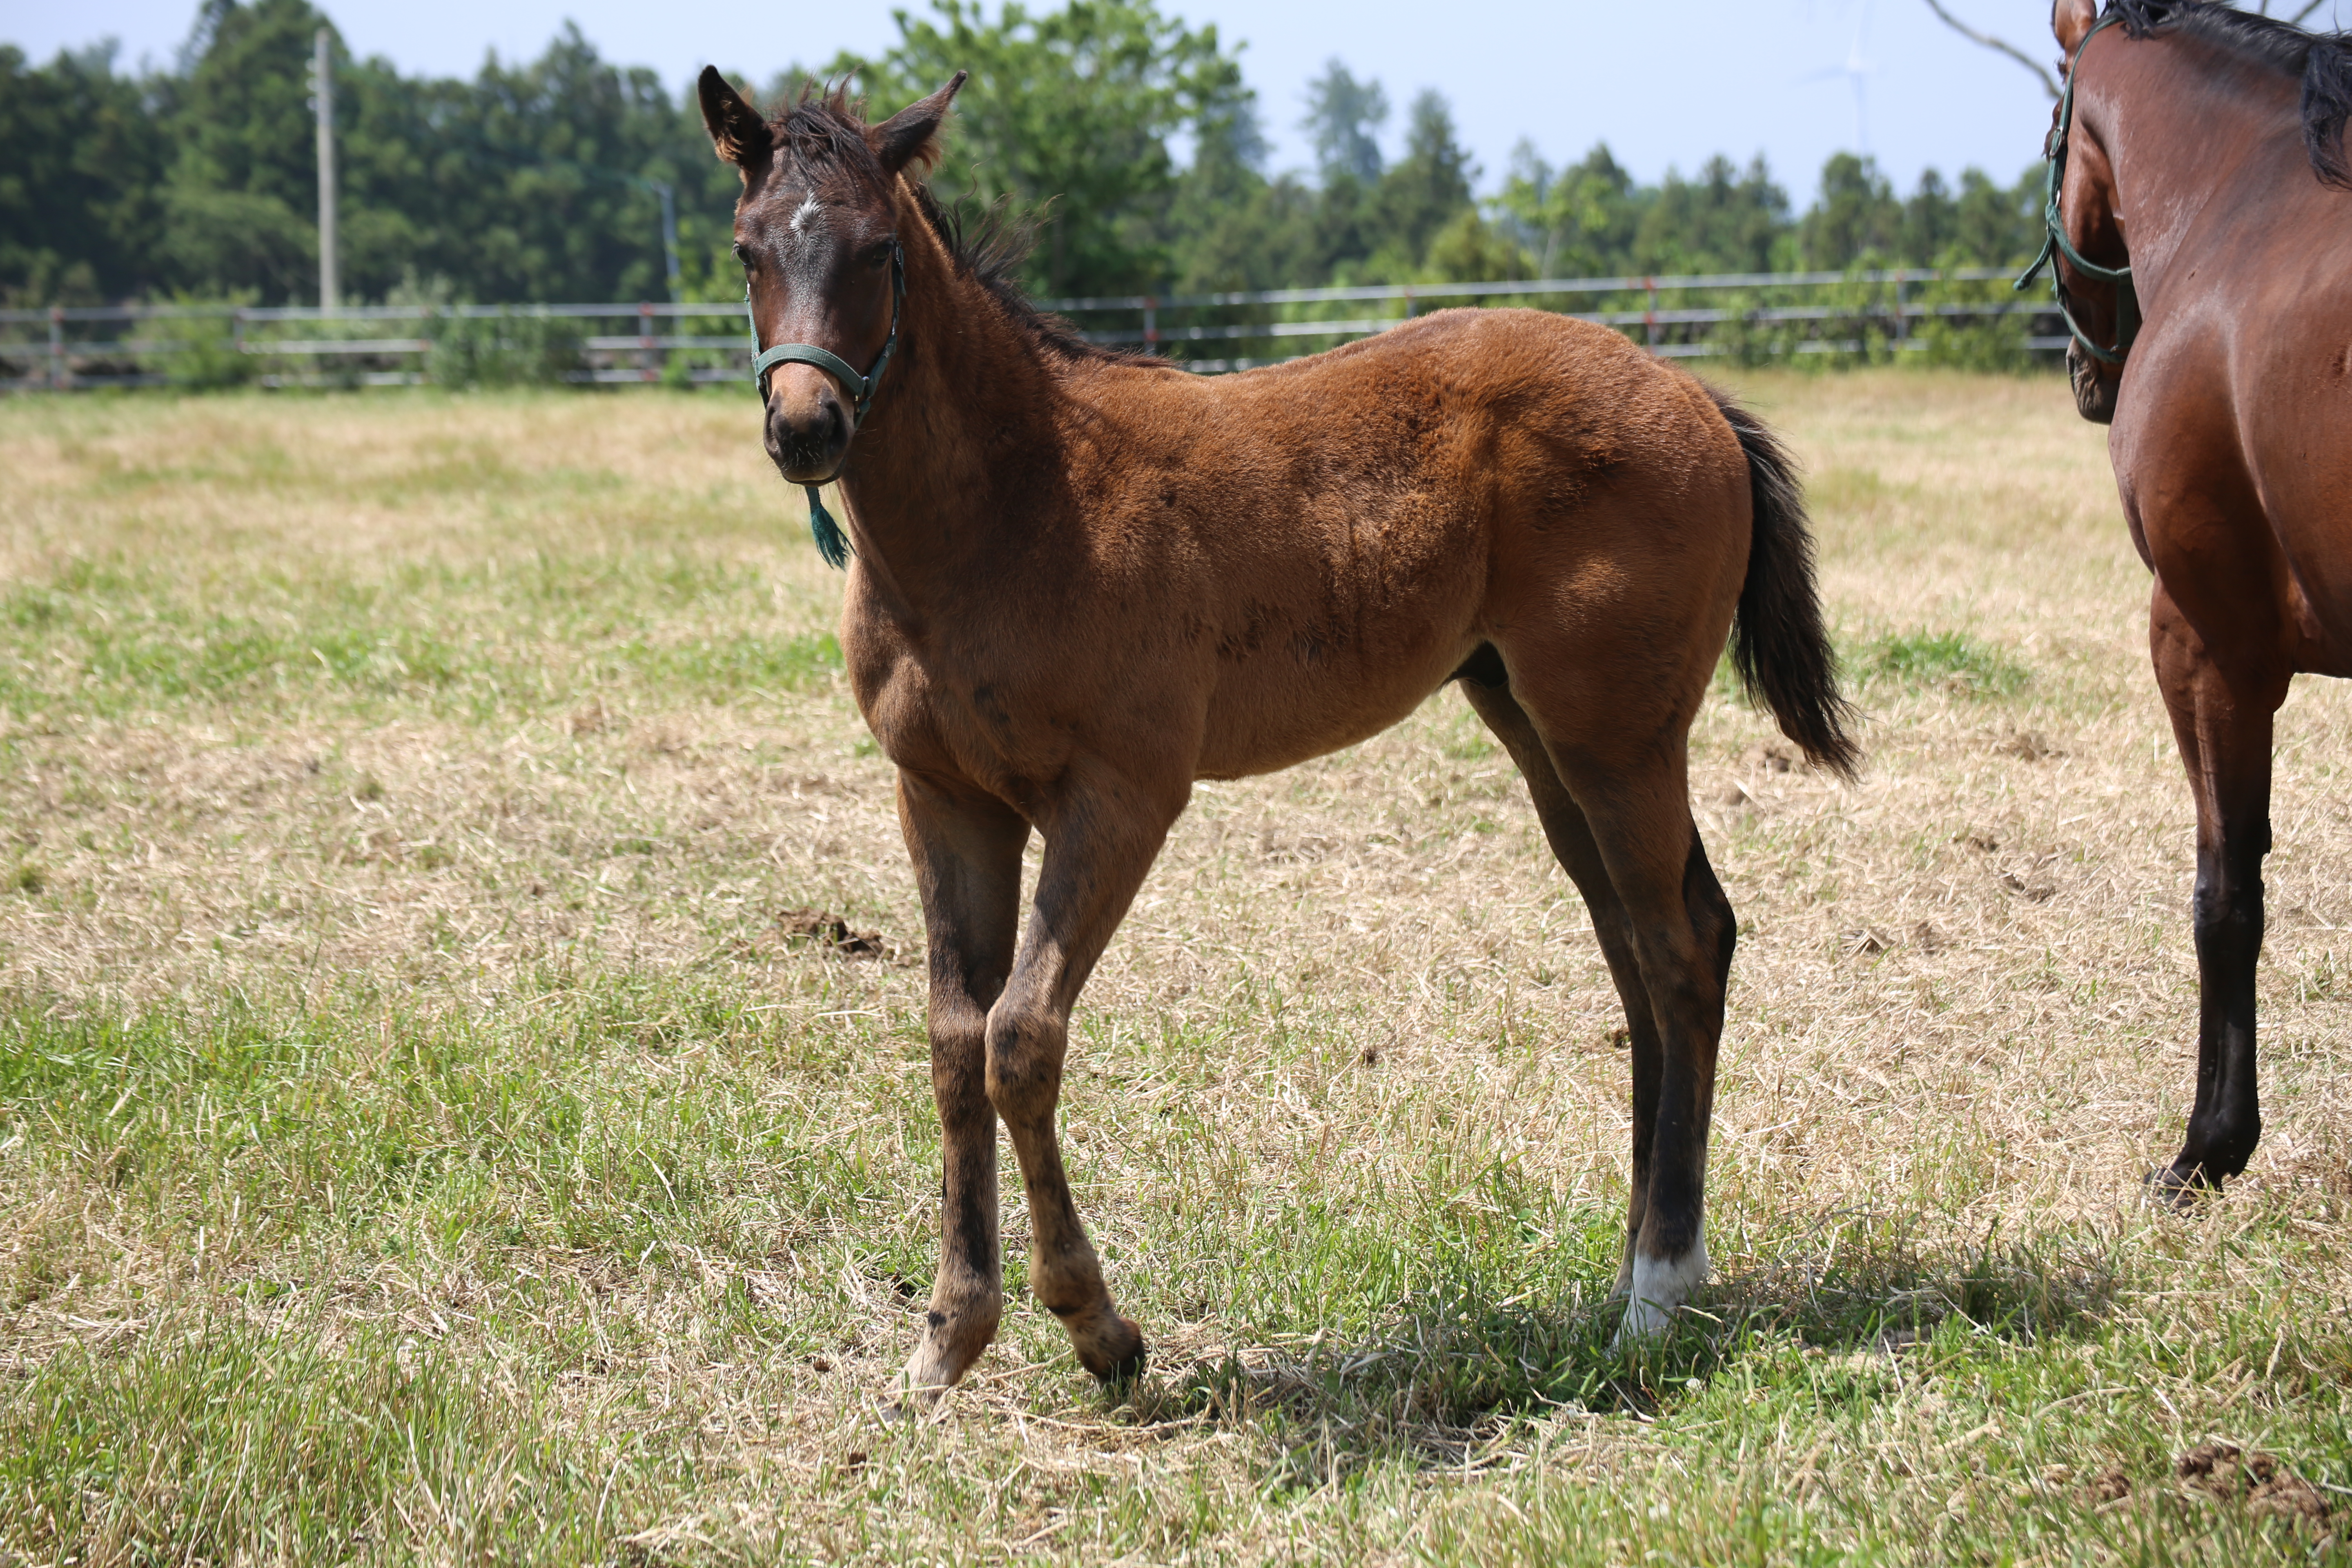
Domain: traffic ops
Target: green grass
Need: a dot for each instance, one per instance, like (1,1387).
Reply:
(220,1440)
(106,642)
(1955,661)
(1438,1313)
(423,1140)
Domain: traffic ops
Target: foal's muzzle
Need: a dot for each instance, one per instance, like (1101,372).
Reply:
(808,427)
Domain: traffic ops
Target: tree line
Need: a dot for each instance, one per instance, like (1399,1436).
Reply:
(1126,140)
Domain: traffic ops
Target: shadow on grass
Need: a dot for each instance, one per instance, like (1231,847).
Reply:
(1447,1384)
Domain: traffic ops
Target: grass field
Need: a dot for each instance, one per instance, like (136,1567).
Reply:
(440,1122)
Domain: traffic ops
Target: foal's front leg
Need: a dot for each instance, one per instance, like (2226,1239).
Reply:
(967,852)
(1100,838)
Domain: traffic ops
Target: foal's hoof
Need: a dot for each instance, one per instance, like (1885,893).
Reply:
(1115,1355)
(1644,1323)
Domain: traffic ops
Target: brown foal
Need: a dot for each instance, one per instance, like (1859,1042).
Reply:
(1083,579)
(2206,207)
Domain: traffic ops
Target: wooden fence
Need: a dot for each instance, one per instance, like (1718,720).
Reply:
(1755,316)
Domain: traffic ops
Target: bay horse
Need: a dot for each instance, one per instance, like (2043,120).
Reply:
(1078,581)
(2202,237)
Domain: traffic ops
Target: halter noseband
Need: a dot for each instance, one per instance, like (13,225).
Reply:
(830,542)
(2054,222)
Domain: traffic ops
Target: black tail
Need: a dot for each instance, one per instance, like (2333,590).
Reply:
(1778,645)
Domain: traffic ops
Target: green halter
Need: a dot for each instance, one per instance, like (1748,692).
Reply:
(2054,222)
(830,544)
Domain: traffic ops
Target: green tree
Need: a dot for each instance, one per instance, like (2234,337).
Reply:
(1579,221)
(1855,222)
(1727,220)
(1229,228)
(1343,115)
(1993,226)
(1066,120)
(1428,187)
(79,163)
(241,197)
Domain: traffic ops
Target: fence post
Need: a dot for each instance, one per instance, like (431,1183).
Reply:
(1151,323)
(645,340)
(56,348)
(236,329)
(1902,319)
(1650,312)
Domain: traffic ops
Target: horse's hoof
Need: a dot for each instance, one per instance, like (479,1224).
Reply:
(2168,1186)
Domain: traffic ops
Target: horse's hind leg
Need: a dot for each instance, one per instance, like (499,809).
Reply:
(1570,837)
(2221,718)
(1623,764)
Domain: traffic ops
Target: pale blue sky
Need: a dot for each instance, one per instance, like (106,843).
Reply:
(1665,83)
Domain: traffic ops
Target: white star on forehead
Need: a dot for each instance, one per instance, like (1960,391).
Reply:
(805,211)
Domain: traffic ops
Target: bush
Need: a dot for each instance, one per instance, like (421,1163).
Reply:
(513,348)
(207,358)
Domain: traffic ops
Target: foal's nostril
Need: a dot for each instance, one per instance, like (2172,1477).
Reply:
(812,441)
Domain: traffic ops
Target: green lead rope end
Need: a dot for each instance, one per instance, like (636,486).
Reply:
(830,544)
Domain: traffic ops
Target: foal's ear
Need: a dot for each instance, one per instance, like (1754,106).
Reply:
(911,135)
(737,131)
(2069,19)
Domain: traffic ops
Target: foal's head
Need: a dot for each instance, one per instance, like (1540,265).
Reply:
(817,233)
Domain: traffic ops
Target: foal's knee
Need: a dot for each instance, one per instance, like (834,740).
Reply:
(1024,1062)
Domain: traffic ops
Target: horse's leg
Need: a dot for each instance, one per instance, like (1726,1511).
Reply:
(967,852)
(2221,716)
(1100,838)
(1627,767)
(1570,837)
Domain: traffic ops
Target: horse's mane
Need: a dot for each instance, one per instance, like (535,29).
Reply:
(823,130)
(2324,61)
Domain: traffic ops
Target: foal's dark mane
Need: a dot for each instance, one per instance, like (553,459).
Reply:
(2324,61)
(823,132)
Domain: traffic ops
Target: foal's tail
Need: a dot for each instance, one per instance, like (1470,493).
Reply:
(1777,644)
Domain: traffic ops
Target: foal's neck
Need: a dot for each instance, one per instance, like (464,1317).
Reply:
(941,479)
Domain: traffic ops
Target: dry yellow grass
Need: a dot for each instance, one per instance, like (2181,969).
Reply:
(456,734)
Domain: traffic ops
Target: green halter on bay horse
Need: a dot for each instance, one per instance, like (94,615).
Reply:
(2203,181)
(1082,580)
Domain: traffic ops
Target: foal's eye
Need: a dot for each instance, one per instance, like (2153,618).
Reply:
(742,256)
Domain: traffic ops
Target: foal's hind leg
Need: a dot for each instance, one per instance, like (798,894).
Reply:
(1623,762)
(1570,837)
(2221,718)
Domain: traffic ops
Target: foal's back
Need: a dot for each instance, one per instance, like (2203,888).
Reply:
(1323,543)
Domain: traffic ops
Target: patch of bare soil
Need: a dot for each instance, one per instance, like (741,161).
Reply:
(2220,1470)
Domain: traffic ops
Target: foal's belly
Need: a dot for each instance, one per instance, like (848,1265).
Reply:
(1274,711)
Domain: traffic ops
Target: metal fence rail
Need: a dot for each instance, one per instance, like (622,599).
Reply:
(1756,315)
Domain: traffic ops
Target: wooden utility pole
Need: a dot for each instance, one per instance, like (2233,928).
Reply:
(323,70)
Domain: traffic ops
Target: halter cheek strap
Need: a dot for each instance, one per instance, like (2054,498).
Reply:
(830,544)
(2053,222)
